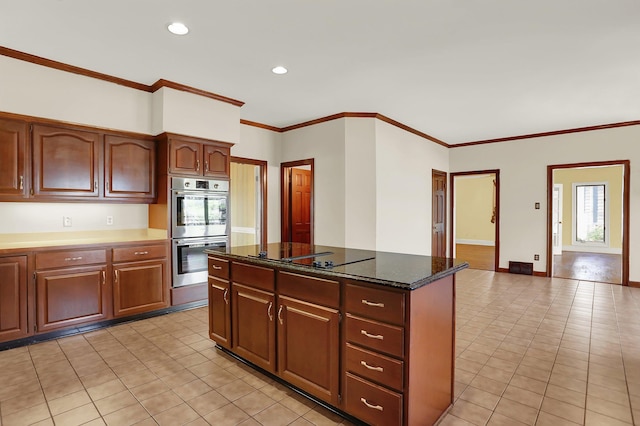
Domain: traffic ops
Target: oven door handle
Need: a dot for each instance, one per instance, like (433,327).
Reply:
(203,193)
(191,242)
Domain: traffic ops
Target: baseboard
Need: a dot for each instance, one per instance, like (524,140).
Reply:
(634,284)
(588,249)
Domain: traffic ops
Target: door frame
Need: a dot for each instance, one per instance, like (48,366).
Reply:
(496,173)
(285,198)
(626,198)
(263,192)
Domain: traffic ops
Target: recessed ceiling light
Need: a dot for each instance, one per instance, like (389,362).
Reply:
(178,28)
(279,70)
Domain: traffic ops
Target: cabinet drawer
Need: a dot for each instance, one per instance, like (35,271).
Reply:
(254,276)
(371,403)
(136,253)
(67,258)
(373,366)
(375,335)
(315,290)
(219,268)
(382,305)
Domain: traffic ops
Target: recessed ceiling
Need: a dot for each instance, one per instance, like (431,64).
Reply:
(459,71)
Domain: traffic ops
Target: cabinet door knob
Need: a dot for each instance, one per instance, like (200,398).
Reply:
(21,182)
(270,311)
(280,314)
(197,164)
(104,277)
(374,304)
(370,367)
(206,166)
(225,296)
(372,336)
(375,407)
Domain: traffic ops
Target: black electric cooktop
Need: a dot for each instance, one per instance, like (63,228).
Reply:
(313,256)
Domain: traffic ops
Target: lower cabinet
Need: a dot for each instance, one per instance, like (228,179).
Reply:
(13,298)
(309,347)
(71,296)
(220,312)
(254,331)
(138,287)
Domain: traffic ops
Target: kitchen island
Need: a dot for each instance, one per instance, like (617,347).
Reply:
(370,334)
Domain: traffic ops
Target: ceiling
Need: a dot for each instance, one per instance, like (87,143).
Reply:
(458,70)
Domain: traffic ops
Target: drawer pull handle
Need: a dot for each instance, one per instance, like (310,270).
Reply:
(140,253)
(372,336)
(374,304)
(225,296)
(375,407)
(269,311)
(280,314)
(68,259)
(364,364)
(217,268)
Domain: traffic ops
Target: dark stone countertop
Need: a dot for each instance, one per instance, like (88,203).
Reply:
(398,270)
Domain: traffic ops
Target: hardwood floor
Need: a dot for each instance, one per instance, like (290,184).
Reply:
(478,257)
(599,267)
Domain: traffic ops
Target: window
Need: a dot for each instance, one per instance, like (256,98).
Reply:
(590,213)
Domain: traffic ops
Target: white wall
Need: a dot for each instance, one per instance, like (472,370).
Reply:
(360,183)
(404,164)
(523,182)
(39,91)
(260,144)
(324,143)
(47,217)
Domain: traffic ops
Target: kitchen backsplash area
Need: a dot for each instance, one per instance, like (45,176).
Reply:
(71,217)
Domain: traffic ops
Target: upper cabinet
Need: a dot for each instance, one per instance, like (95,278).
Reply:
(13,159)
(189,156)
(65,162)
(130,168)
(47,161)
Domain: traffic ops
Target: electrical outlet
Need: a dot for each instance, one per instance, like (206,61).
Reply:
(536,257)
(66,221)
(109,220)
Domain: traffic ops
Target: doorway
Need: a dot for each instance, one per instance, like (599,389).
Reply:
(438,213)
(248,209)
(296,178)
(475,218)
(588,221)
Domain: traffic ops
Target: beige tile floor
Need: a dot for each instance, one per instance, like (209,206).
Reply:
(529,351)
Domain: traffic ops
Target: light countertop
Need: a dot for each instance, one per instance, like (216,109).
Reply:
(55,239)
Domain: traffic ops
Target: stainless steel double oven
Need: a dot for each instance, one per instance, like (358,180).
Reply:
(199,221)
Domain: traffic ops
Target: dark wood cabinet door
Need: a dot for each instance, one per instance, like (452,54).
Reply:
(254,329)
(309,347)
(65,162)
(130,168)
(67,297)
(139,287)
(13,298)
(185,157)
(216,161)
(220,312)
(13,159)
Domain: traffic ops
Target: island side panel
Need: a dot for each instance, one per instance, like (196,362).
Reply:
(430,349)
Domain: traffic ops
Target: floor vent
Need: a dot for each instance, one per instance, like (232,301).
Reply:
(521,268)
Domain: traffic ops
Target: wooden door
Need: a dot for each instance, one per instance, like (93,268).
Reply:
(185,157)
(13,298)
(309,347)
(254,330)
(13,159)
(300,205)
(220,312)
(139,287)
(438,214)
(65,162)
(216,161)
(130,168)
(66,297)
